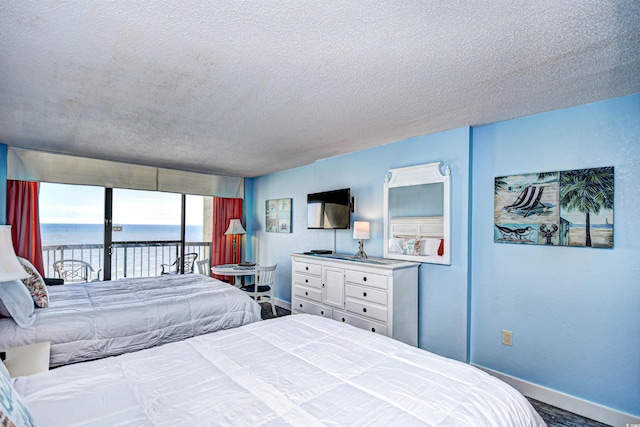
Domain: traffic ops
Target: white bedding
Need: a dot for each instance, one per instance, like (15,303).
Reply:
(97,319)
(299,370)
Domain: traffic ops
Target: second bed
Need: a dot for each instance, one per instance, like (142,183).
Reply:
(98,319)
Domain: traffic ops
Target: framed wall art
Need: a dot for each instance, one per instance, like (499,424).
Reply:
(563,208)
(278,215)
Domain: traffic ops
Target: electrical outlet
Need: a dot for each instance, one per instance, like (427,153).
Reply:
(507,337)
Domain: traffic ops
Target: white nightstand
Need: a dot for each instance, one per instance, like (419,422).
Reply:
(27,359)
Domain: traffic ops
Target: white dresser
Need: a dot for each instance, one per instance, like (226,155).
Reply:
(377,294)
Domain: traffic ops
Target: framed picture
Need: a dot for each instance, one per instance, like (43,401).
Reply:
(562,208)
(278,215)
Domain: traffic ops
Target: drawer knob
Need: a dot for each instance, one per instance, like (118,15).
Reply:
(300,305)
(364,294)
(343,319)
(364,279)
(306,293)
(322,312)
(323,285)
(373,329)
(306,268)
(306,280)
(364,309)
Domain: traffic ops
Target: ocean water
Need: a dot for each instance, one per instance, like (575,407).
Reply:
(131,262)
(71,234)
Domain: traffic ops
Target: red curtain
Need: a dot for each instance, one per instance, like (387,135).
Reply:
(23,216)
(224,210)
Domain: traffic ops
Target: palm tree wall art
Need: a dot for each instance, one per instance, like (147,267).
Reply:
(563,208)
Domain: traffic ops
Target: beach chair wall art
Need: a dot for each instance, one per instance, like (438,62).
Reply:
(563,208)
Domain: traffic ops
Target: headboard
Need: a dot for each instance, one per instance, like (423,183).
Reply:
(416,227)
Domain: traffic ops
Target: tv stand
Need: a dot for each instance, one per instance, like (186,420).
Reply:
(380,295)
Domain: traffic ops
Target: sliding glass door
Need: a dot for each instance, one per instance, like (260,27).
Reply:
(71,225)
(123,233)
(199,229)
(146,233)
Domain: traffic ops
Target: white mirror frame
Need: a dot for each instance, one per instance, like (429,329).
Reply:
(429,173)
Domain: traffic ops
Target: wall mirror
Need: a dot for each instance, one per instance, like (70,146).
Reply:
(417,214)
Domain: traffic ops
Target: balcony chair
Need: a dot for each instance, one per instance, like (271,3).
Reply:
(75,271)
(203,267)
(265,282)
(189,264)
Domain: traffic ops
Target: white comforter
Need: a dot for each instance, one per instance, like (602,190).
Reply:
(97,319)
(296,370)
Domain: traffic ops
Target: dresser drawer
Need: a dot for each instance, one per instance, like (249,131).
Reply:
(306,280)
(361,323)
(363,308)
(366,294)
(308,268)
(308,292)
(302,306)
(369,279)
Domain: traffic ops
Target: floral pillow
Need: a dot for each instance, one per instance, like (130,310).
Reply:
(13,411)
(35,284)
(412,247)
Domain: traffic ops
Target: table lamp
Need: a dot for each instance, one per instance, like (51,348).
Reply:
(361,232)
(235,228)
(10,267)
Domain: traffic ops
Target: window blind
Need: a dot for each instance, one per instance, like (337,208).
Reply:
(32,165)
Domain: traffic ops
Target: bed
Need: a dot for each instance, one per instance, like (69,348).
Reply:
(299,370)
(92,320)
(412,237)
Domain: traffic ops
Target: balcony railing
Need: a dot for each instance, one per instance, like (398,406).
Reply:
(129,259)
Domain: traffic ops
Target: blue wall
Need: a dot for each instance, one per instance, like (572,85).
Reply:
(443,289)
(247,248)
(574,312)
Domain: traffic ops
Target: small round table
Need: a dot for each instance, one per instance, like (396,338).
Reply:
(233,270)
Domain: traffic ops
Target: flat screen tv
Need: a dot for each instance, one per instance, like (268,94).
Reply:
(329,210)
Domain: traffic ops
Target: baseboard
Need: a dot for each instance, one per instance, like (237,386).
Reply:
(282,303)
(564,401)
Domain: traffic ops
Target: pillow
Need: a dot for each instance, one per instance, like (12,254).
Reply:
(35,284)
(411,247)
(3,310)
(13,411)
(17,302)
(396,245)
(429,247)
(4,372)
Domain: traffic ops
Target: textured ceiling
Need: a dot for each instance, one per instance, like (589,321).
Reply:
(247,88)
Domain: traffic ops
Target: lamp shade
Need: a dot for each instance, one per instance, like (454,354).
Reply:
(361,230)
(235,227)
(10,268)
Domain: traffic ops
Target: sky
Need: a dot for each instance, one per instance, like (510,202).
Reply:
(81,204)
